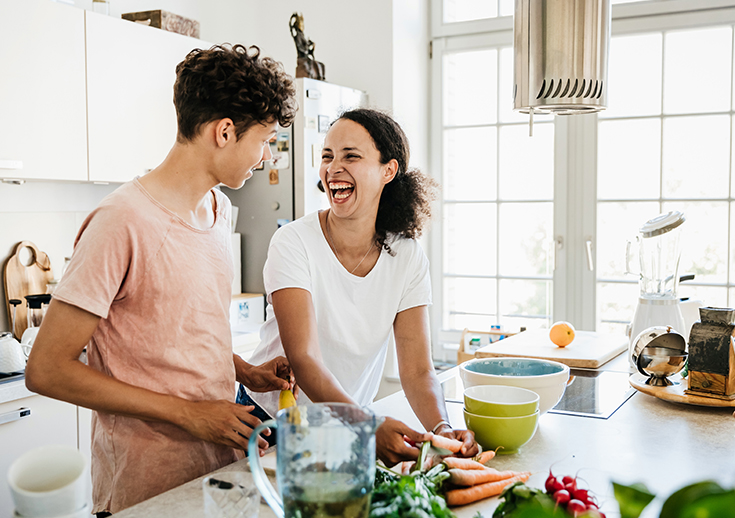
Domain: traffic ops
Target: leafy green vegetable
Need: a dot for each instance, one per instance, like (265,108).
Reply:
(717,505)
(518,497)
(415,495)
(675,505)
(632,499)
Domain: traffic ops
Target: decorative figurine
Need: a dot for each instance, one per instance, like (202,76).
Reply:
(711,356)
(306,65)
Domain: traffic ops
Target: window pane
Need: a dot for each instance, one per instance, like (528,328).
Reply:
(467,174)
(696,157)
(629,159)
(634,76)
(697,70)
(711,296)
(505,100)
(464,295)
(525,239)
(526,163)
(506,8)
(470,87)
(464,10)
(616,305)
(525,303)
(470,238)
(703,240)
(618,223)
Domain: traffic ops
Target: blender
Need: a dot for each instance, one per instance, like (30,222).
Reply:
(659,253)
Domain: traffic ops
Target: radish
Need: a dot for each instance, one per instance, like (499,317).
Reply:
(562,497)
(576,507)
(567,479)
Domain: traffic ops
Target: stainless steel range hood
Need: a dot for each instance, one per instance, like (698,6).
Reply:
(561,52)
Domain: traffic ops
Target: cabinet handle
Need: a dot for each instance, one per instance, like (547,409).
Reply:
(11,164)
(590,262)
(14,415)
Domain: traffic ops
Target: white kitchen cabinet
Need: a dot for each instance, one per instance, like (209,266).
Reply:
(50,422)
(43,127)
(131,71)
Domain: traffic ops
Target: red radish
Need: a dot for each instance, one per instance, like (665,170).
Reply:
(576,507)
(567,479)
(581,494)
(562,496)
(592,506)
(553,484)
(571,487)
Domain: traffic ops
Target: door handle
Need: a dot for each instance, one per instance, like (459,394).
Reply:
(590,262)
(14,415)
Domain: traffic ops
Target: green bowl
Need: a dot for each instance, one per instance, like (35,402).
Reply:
(506,433)
(500,401)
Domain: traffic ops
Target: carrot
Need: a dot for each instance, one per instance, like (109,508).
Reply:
(452,445)
(472,477)
(462,463)
(468,495)
(484,457)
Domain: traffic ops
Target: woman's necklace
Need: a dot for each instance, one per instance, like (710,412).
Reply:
(331,242)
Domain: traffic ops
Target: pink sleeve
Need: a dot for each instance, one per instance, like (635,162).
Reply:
(102,256)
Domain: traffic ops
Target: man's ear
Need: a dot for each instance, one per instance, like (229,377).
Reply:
(224,132)
(390,171)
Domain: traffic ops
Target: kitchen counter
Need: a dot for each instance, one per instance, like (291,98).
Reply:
(13,388)
(665,445)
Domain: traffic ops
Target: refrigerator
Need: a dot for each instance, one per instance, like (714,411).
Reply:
(288,187)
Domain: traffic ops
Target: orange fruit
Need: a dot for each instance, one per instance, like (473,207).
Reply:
(561,333)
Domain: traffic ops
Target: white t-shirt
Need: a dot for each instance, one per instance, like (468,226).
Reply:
(354,315)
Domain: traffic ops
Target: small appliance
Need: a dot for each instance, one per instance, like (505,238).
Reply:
(659,252)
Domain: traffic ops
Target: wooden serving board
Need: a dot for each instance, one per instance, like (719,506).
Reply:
(588,350)
(675,393)
(21,280)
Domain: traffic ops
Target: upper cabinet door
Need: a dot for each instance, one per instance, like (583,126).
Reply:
(43,128)
(131,71)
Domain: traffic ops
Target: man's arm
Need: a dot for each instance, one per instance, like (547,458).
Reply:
(54,370)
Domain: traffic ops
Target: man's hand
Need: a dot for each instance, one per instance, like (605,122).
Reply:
(469,446)
(390,445)
(274,374)
(221,422)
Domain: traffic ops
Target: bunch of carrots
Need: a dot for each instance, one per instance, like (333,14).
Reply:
(470,479)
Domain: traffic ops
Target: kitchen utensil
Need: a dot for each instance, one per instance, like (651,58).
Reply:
(659,252)
(711,358)
(231,494)
(12,358)
(589,350)
(500,401)
(659,352)
(546,378)
(504,434)
(325,459)
(27,271)
(49,481)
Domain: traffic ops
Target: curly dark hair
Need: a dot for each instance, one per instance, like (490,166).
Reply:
(405,204)
(235,82)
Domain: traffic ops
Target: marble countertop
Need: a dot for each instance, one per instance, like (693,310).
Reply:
(665,445)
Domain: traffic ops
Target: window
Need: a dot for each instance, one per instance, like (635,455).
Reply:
(518,213)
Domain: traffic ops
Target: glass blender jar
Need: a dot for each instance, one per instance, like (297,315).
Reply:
(659,253)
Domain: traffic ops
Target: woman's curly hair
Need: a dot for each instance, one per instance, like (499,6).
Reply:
(405,204)
(235,82)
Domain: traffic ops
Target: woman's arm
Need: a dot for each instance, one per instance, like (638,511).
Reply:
(294,312)
(54,370)
(419,381)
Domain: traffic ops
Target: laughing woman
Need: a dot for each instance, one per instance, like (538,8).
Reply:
(340,280)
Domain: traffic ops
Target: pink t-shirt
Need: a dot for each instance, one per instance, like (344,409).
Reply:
(162,288)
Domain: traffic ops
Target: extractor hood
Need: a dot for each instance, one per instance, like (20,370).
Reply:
(561,53)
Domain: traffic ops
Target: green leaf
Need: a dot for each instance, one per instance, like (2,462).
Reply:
(632,499)
(719,505)
(675,504)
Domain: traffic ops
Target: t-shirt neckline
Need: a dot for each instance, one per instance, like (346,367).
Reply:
(181,220)
(334,256)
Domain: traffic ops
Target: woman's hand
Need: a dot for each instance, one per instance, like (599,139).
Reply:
(274,374)
(469,445)
(221,422)
(390,445)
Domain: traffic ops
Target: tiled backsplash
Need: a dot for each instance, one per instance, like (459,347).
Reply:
(48,214)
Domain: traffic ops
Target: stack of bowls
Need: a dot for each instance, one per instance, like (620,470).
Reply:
(503,418)
(546,378)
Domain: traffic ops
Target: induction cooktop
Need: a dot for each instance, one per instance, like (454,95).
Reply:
(595,394)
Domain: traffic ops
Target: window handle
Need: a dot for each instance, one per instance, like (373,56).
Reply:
(557,245)
(590,263)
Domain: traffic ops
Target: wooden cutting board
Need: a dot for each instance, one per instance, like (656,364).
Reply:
(21,280)
(589,350)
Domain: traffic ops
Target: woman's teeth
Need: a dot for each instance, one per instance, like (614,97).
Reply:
(341,190)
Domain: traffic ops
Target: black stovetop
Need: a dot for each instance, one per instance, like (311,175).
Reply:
(595,394)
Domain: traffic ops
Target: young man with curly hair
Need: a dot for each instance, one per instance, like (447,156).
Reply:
(148,293)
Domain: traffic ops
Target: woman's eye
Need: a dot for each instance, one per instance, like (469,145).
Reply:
(352,156)
(326,157)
